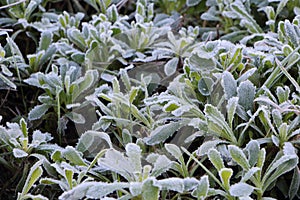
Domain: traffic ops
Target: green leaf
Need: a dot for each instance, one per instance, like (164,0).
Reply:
(253,152)
(38,111)
(135,188)
(8,82)
(73,156)
(174,184)
(217,123)
(246,94)
(241,190)
(191,3)
(30,8)
(19,153)
(174,150)
(134,152)
(77,38)
(295,183)
(34,174)
(215,158)
(75,117)
(229,85)
(171,66)
(231,109)
(161,133)
(225,175)
(204,86)
(249,174)
(69,177)
(199,64)
(239,157)
(202,189)
(93,190)
(45,40)
(149,191)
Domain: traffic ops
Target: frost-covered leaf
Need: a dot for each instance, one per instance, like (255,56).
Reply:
(246,94)
(239,157)
(174,150)
(229,84)
(231,109)
(207,146)
(216,159)
(161,165)
(253,152)
(34,174)
(38,111)
(161,133)
(75,117)
(93,190)
(45,40)
(204,86)
(91,141)
(295,183)
(19,153)
(249,174)
(171,66)
(191,3)
(241,190)
(74,156)
(135,188)
(133,152)
(225,175)
(202,189)
(174,184)
(149,190)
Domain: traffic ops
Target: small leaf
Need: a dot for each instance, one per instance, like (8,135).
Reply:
(202,189)
(174,150)
(18,153)
(225,175)
(215,158)
(295,183)
(246,94)
(171,66)
(231,109)
(239,157)
(69,177)
(149,191)
(73,156)
(161,165)
(191,3)
(38,111)
(204,86)
(75,117)
(161,133)
(174,184)
(34,174)
(45,40)
(229,84)
(241,190)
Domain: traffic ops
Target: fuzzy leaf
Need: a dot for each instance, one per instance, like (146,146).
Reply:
(231,109)
(149,191)
(133,152)
(74,156)
(191,3)
(249,174)
(239,157)
(174,150)
(207,146)
(19,153)
(38,111)
(161,133)
(174,184)
(295,183)
(204,86)
(45,40)
(171,66)
(215,158)
(241,190)
(135,188)
(92,190)
(92,140)
(246,94)
(161,165)
(229,84)
(253,152)
(225,175)
(202,189)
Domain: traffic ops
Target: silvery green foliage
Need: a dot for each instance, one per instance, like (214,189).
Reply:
(64,86)
(5,73)
(255,176)
(16,138)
